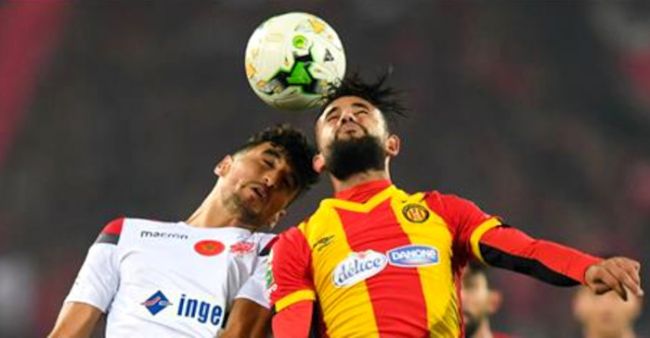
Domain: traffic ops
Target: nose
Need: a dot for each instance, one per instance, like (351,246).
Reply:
(271,179)
(347,116)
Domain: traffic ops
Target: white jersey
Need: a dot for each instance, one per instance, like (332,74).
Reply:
(159,279)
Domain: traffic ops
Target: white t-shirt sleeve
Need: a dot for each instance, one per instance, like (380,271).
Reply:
(255,287)
(98,278)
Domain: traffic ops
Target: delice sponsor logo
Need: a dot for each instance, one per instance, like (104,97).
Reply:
(413,256)
(358,266)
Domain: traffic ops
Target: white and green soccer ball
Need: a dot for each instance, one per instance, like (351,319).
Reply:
(292,59)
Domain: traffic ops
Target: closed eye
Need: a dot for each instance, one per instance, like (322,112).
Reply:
(269,163)
(332,117)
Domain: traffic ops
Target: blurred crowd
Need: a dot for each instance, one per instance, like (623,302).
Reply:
(537,110)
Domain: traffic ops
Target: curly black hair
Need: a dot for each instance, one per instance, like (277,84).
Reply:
(382,96)
(298,150)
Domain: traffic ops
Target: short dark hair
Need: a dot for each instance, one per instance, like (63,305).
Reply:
(297,148)
(385,98)
(476,268)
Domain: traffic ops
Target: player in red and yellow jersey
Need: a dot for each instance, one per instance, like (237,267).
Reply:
(376,261)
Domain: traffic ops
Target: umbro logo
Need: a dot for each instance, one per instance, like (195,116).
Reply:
(322,243)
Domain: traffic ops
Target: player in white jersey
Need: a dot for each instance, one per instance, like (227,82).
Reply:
(182,279)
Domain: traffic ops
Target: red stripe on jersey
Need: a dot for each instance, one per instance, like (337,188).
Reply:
(113,227)
(548,261)
(408,319)
(291,266)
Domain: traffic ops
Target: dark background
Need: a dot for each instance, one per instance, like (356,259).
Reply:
(537,110)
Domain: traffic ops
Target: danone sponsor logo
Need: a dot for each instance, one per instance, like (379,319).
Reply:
(413,256)
(358,266)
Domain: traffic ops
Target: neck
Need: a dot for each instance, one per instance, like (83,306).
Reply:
(483,330)
(213,214)
(360,178)
(627,332)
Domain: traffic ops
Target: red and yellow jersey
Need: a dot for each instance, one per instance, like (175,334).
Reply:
(381,262)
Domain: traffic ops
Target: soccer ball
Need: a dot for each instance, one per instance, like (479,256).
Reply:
(292,59)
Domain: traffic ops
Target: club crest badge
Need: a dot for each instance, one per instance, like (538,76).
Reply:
(415,213)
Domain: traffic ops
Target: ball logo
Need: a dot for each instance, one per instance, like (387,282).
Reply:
(208,247)
(413,256)
(415,213)
(358,266)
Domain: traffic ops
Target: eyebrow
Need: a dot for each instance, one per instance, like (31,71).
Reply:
(273,152)
(331,111)
(355,105)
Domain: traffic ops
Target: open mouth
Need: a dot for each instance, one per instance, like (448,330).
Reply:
(260,192)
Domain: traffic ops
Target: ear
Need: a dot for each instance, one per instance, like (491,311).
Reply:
(318,163)
(275,218)
(495,299)
(393,145)
(223,166)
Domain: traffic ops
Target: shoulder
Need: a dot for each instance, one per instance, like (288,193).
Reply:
(118,227)
(265,242)
(292,239)
(447,203)
(294,234)
(444,199)
(111,232)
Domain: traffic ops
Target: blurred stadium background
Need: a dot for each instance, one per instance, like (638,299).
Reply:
(537,110)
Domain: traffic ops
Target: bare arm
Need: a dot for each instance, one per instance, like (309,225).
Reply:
(247,319)
(76,320)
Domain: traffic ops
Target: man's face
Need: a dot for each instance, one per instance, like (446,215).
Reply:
(475,297)
(349,117)
(257,184)
(352,137)
(605,314)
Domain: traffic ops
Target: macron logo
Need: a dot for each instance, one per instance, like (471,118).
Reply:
(161,234)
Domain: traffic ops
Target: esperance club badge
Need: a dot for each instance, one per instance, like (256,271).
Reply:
(415,213)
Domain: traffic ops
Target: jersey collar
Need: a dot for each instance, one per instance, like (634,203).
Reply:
(361,193)
(363,197)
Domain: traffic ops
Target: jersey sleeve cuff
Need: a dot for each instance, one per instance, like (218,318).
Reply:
(92,303)
(474,239)
(294,297)
(260,302)
(583,263)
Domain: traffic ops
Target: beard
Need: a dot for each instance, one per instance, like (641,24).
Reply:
(354,156)
(235,204)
